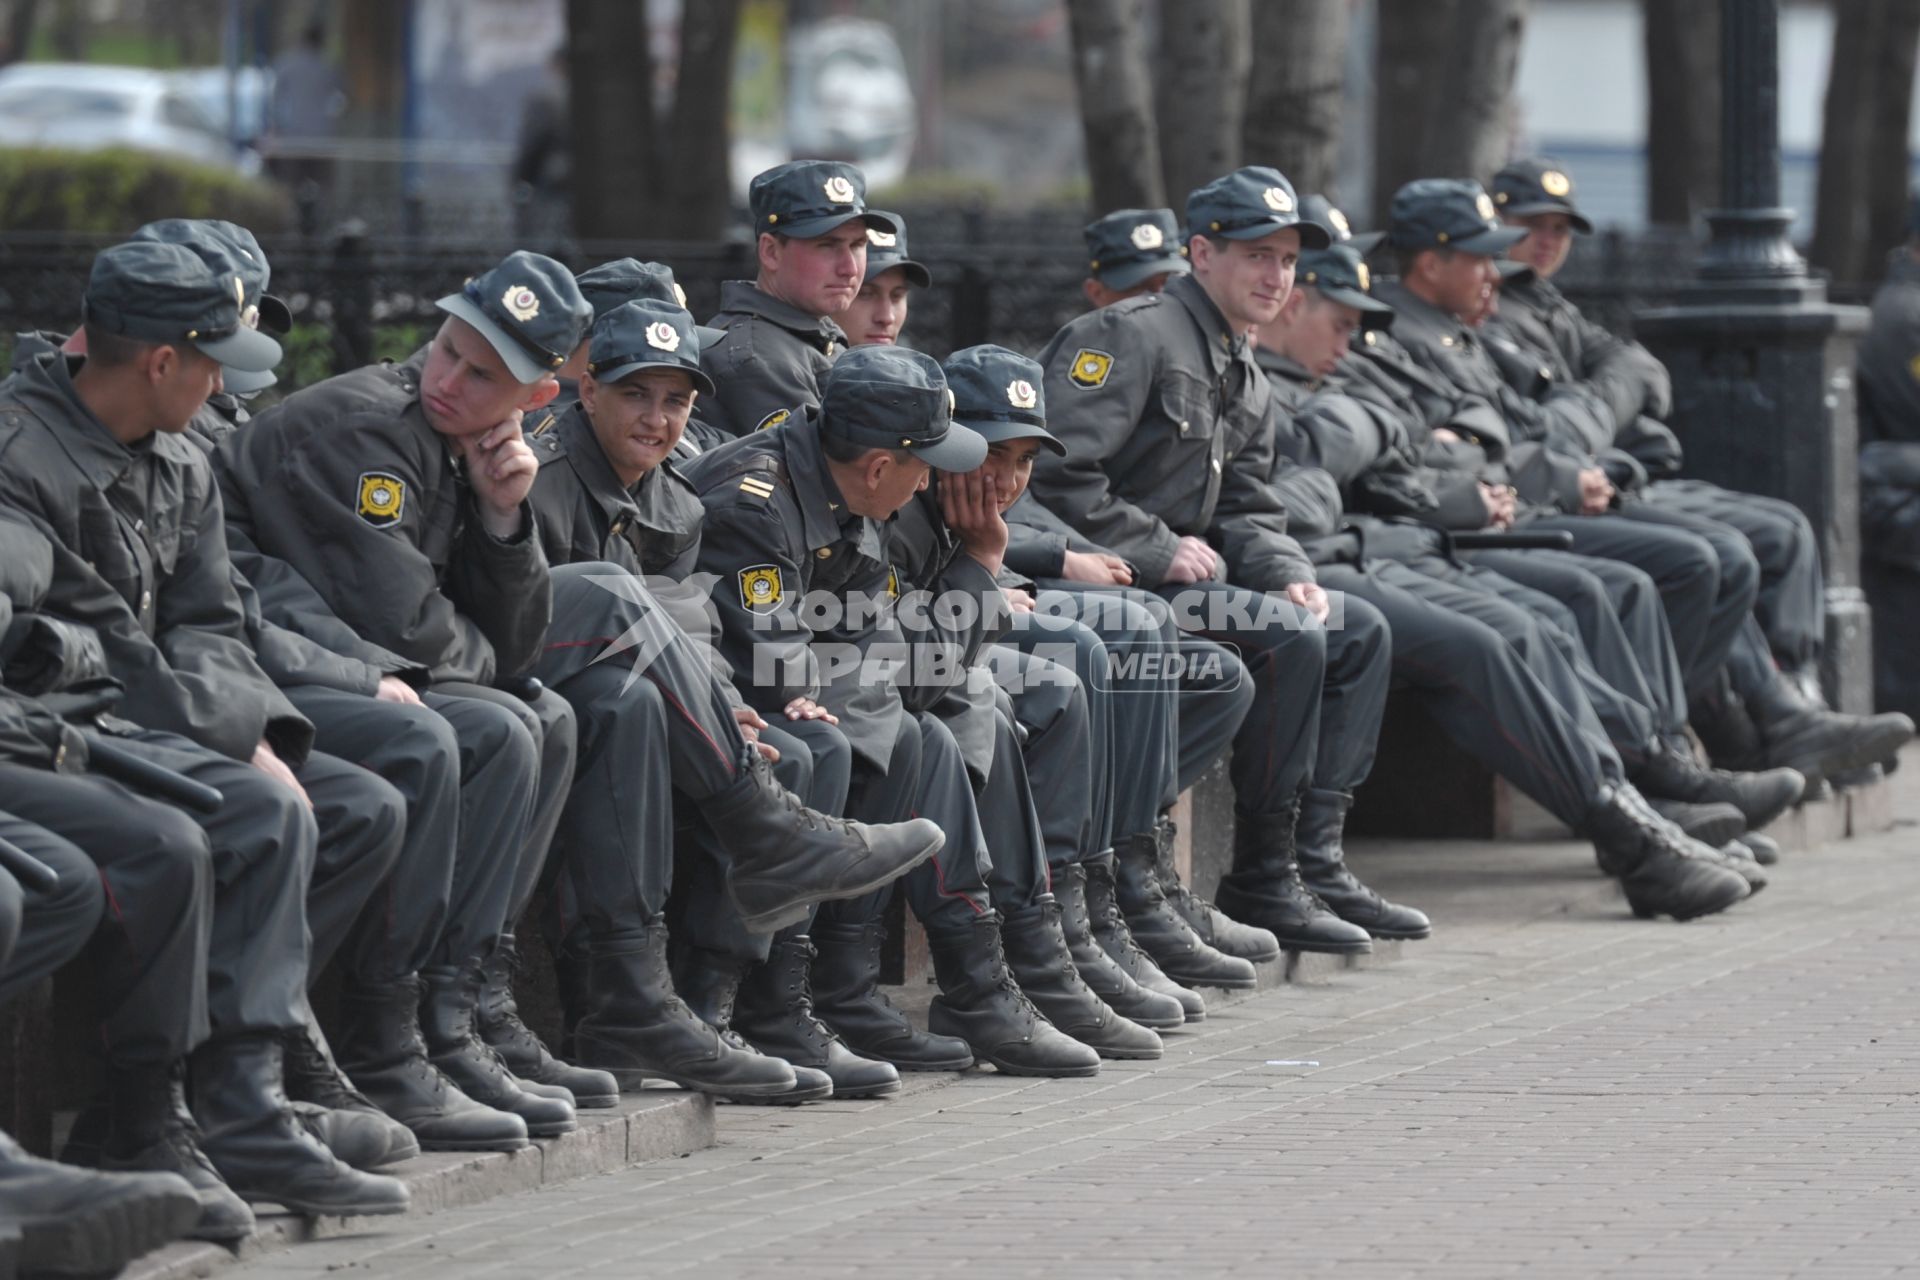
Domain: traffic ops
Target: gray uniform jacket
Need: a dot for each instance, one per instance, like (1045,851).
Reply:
(775,532)
(1038,540)
(347,483)
(30,732)
(1165,419)
(770,364)
(140,556)
(584,513)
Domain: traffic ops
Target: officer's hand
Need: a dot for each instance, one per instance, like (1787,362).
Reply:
(1498,500)
(971,507)
(394,689)
(1596,492)
(808,709)
(1193,561)
(1312,597)
(1018,599)
(274,767)
(501,469)
(750,726)
(1097,568)
(1445,435)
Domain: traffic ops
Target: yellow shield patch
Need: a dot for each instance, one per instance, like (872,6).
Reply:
(1913,367)
(774,419)
(382,498)
(893,583)
(760,587)
(1090,368)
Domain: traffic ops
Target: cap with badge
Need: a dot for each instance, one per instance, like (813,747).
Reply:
(808,198)
(631,280)
(159,291)
(1340,275)
(1448,213)
(231,247)
(1531,186)
(646,335)
(886,397)
(1317,208)
(528,309)
(1249,203)
(996,392)
(888,249)
(1128,246)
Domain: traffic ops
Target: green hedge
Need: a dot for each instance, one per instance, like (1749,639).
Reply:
(106,192)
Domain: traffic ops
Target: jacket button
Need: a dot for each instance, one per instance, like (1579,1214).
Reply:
(1183,427)
(60,755)
(824,553)
(146,599)
(1216,464)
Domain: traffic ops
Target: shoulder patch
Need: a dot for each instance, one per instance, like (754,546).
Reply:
(545,424)
(893,582)
(773,419)
(756,486)
(1090,368)
(760,587)
(383,498)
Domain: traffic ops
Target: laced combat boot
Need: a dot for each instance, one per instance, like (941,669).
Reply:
(709,981)
(75,1222)
(980,1002)
(1324,871)
(1106,978)
(1798,734)
(384,1054)
(1667,773)
(259,1148)
(1037,953)
(1216,928)
(1163,932)
(1664,871)
(847,997)
(784,857)
(497,1017)
(454,1046)
(1710,824)
(1111,931)
(333,1110)
(775,1015)
(639,1028)
(148,1129)
(1265,888)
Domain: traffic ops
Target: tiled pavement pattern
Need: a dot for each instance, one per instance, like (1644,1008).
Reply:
(1548,1087)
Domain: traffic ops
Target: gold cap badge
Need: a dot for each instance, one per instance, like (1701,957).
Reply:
(664,336)
(522,303)
(1147,236)
(1277,199)
(1556,183)
(839,190)
(1021,395)
(1484,206)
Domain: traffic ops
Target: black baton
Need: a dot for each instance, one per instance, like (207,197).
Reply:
(27,869)
(1558,540)
(121,765)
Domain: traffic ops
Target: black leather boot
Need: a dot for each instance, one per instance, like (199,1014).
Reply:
(847,997)
(786,857)
(1323,869)
(1664,772)
(1265,888)
(980,1002)
(74,1222)
(1663,870)
(381,1049)
(709,981)
(261,1151)
(149,1130)
(350,1125)
(446,1020)
(639,1029)
(1710,824)
(1216,928)
(1110,930)
(775,1015)
(1037,952)
(1162,932)
(498,1018)
(1106,978)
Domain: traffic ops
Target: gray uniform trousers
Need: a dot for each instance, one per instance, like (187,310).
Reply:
(137,875)
(1496,684)
(361,822)
(13,910)
(1045,722)
(1319,690)
(1792,603)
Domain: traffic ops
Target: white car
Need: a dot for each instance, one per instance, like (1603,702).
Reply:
(80,107)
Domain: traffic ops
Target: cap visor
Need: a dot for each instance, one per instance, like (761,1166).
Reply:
(1364,242)
(241,383)
(1312,234)
(962,449)
(813,228)
(1130,274)
(1373,313)
(1489,242)
(275,316)
(1574,216)
(701,382)
(247,350)
(916,272)
(994,431)
(518,362)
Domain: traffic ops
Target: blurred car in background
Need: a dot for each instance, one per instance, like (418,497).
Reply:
(80,107)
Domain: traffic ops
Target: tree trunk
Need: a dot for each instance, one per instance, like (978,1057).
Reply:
(1201,98)
(19,30)
(701,142)
(615,174)
(1859,210)
(1116,104)
(1410,31)
(1294,105)
(1683,109)
(373,39)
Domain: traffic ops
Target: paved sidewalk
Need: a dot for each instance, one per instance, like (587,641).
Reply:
(1547,1087)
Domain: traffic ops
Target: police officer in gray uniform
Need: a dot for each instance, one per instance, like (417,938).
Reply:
(1166,420)
(1130,252)
(92,459)
(794,518)
(809,222)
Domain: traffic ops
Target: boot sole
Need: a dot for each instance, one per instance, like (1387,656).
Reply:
(319,1209)
(554,1129)
(1263,957)
(793,912)
(1330,948)
(1218,984)
(888,1089)
(1125,1055)
(633,1080)
(1399,935)
(791,1098)
(595,1101)
(101,1239)
(1868,751)
(1151,1024)
(952,1064)
(1645,911)
(1060,1073)
(502,1144)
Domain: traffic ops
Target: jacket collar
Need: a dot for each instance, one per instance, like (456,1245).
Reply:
(1223,346)
(743,297)
(589,462)
(824,516)
(46,389)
